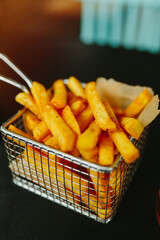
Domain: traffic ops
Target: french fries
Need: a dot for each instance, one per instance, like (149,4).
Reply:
(51,167)
(70,119)
(101,115)
(127,149)
(30,121)
(52,142)
(40,95)
(89,139)
(27,101)
(106,150)
(78,123)
(131,126)
(65,137)
(138,104)
(41,131)
(85,118)
(75,87)
(18,131)
(59,99)
(77,107)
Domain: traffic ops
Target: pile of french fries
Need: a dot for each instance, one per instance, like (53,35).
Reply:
(74,120)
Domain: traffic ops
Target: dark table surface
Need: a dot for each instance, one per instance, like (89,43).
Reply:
(45,56)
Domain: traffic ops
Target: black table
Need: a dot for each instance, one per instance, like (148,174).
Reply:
(46,57)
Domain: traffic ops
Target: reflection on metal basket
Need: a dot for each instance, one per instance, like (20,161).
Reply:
(87,188)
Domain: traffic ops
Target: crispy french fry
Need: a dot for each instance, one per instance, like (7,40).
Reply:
(52,142)
(101,115)
(131,126)
(40,95)
(90,154)
(106,150)
(89,139)
(85,118)
(127,149)
(41,131)
(59,99)
(92,204)
(77,107)
(138,104)
(75,87)
(64,135)
(18,131)
(56,171)
(70,119)
(30,121)
(26,100)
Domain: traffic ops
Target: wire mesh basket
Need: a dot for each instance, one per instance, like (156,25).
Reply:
(85,187)
(127,23)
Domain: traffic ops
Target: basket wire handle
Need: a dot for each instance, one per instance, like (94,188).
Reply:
(14,83)
(18,71)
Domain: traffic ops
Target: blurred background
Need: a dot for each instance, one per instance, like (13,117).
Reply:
(43,37)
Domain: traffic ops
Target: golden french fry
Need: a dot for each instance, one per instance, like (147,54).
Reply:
(64,135)
(89,139)
(131,126)
(77,107)
(127,149)
(138,104)
(59,99)
(55,170)
(30,121)
(41,131)
(98,208)
(101,115)
(90,154)
(52,142)
(26,100)
(18,131)
(111,114)
(75,87)
(85,118)
(70,119)
(106,150)
(40,95)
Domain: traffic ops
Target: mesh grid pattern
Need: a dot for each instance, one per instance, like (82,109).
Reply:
(84,187)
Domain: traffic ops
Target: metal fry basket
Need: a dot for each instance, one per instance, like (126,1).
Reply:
(90,189)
